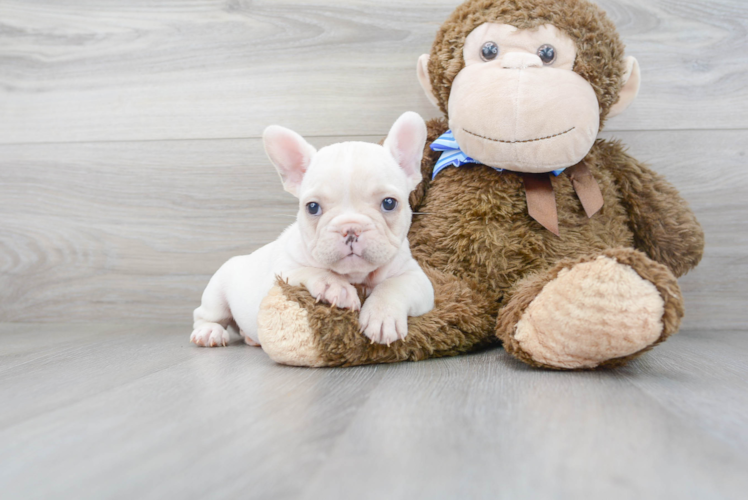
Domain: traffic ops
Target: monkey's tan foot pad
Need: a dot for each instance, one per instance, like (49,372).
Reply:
(590,313)
(285,333)
(596,311)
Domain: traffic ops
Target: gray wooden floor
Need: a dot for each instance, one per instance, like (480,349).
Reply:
(131,167)
(112,411)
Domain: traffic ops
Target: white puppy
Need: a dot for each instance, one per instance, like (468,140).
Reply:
(351,228)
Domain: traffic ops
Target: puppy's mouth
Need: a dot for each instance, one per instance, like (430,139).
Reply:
(518,142)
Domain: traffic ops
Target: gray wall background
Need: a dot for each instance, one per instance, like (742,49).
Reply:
(131,165)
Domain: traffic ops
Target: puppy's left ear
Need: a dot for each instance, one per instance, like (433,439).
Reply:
(405,143)
(290,154)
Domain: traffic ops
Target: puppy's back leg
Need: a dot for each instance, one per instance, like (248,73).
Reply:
(248,340)
(213,315)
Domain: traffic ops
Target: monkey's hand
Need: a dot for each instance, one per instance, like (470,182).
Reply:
(664,226)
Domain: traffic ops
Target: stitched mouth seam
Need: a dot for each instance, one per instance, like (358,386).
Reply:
(519,142)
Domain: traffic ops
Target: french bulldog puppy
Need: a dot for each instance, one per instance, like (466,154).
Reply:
(351,228)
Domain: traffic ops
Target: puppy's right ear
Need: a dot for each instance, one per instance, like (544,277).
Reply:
(290,154)
(405,142)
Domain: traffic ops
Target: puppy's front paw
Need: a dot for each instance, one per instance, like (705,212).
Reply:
(335,291)
(382,322)
(210,335)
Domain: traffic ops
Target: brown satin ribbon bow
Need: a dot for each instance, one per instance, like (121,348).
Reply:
(541,202)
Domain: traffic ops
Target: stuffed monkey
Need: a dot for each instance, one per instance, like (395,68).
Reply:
(535,234)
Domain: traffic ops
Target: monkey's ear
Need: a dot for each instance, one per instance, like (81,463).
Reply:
(290,154)
(425,79)
(405,142)
(629,91)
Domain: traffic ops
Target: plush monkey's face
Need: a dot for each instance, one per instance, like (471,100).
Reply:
(517,104)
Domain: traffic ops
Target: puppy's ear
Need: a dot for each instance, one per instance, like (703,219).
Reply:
(405,142)
(290,154)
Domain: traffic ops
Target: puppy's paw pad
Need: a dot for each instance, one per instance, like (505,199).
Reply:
(335,291)
(382,323)
(210,335)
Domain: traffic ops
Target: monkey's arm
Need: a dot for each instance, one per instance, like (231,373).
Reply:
(436,128)
(664,226)
(296,330)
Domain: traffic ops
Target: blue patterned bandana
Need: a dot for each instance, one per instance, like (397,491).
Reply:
(452,155)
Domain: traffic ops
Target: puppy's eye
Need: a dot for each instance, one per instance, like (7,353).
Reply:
(489,51)
(389,204)
(547,54)
(313,208)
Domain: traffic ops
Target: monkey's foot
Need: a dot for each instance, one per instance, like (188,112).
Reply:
(602,310)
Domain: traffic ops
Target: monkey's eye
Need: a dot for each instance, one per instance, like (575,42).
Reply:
(389,204)
(489,51)
(313,208)
(547,54)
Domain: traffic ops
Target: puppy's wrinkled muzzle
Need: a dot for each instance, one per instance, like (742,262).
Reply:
(353,244)
(352,241)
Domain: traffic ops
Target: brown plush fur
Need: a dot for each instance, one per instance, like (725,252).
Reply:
(474,237)
(477,225)
(664,227)
(458,324)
